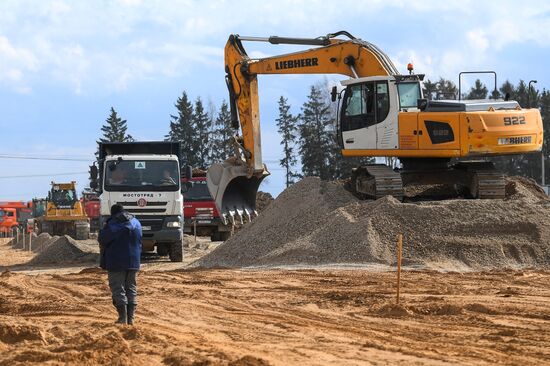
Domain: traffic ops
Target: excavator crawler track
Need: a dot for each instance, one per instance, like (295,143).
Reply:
(376,181)
(485,181)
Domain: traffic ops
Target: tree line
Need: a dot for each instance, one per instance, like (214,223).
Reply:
(309,138)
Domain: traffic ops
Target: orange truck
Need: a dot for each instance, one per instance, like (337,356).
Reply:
(13,215)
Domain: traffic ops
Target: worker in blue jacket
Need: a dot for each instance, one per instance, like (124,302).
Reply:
(120,242)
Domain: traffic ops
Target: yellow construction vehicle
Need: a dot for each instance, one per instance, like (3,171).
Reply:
(382,114)
(64,214)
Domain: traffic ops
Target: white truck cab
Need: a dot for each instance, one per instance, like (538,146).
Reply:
(144,177)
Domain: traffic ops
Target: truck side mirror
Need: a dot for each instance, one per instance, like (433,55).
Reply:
(334,93)
(188,172)
(93,177)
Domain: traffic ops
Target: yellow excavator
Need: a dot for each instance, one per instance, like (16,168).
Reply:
(382,114)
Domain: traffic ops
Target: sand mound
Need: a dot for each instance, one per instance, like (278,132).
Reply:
(42,241)
(315,222)
(64,249)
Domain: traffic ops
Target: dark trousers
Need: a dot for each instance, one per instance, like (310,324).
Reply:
(123,287)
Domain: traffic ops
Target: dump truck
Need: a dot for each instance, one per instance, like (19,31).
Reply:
(144,177)
(90,200)
(201,216)
(64,213)
(14,215)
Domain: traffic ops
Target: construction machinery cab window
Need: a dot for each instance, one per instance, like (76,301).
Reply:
(409,93)
(365,105)
(63,198)
(142,175)
(198,191)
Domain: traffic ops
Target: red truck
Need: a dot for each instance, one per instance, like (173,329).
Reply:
(90,201)
(200,210)
(13,215)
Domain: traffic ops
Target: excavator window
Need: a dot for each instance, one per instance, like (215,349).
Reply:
(382,101)
(360,108)
(409,93)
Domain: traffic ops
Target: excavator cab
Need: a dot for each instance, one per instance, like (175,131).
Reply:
(369,108)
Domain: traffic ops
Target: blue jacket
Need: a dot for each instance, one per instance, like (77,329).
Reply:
(120,241)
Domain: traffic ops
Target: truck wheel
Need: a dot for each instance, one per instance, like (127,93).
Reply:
(82,231)
(215,236)
(163,249)
(176,252)
(224,235)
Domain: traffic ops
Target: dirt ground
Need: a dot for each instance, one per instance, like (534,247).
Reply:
(274,317)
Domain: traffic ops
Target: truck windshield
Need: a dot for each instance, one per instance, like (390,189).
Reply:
(197,192)
(142,175)
(409,93)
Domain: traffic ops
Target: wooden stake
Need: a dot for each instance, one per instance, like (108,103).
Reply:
(195,229)
(399,254)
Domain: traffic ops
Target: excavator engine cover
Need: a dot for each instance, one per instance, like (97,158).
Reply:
(234,192)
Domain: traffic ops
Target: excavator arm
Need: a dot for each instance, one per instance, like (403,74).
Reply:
(234,183)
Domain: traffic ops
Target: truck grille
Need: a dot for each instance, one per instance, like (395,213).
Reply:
(145,210)
(149,203)
(154,223)
(156,207)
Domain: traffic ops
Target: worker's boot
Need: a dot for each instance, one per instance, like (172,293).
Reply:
(122,314)
(131,309)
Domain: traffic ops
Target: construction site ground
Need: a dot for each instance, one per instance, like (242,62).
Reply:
(323,315)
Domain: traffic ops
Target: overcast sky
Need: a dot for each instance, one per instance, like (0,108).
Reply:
(63,64)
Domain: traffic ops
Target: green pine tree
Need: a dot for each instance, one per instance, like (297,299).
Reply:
(508,90)
(220,135)
(522,94)
(201,145)
(182,129)
(114,129)
(478,91)
(287,128)
(446,89)
(430,90)
(317,139)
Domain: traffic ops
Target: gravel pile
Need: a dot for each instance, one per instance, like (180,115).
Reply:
(42,241)
(318,223)
(64,249)
(263,199)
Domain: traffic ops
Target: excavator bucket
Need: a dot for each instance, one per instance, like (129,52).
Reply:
(234,192)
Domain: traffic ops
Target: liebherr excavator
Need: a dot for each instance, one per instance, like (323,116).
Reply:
(382,113)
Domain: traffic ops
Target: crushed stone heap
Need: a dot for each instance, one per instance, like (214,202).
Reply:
(320,223)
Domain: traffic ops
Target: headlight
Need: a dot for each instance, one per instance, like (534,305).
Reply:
(173,224)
